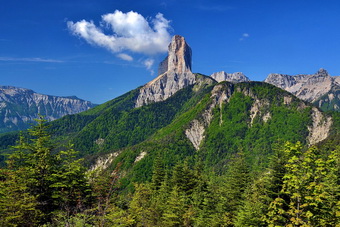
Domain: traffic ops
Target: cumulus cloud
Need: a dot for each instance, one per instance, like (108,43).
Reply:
(125,57)
(129,31)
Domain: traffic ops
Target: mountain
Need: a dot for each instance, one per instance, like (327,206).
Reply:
(230,77)
(320,88)
(192,112)
(185,150)
(19,107)
(174,74)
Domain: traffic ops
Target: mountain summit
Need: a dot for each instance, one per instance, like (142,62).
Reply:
(320,88)
(174,73)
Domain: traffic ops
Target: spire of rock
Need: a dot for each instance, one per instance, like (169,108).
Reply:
(174,73)
(179,57)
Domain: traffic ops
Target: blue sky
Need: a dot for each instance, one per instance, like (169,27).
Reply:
(63,47)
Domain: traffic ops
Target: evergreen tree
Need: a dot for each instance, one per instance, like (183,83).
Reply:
(312,187)
(44,180)
(175,209)
(18,207)
(236,182)
(140,206)
(158,173)
(34,154)
(262,192)
(71,189)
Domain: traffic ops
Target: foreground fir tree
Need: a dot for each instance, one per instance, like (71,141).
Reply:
(43,180)
(310,190)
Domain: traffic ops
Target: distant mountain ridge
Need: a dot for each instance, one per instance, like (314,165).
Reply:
(236,77)
(320,88)
(20,106)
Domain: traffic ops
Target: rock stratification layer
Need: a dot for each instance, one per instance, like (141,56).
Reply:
(230,77)
(174,74)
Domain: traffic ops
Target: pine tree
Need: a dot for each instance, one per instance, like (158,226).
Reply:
(51,181)
(175,209)
(34,154)
(71,189)
(236,182)
(262,192)
(140,206)
(158,173)
(311,187)
(17,204)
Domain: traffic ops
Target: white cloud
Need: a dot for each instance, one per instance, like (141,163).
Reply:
(244,36)
(125,57)
(30,60)
(127,31)
(148,63)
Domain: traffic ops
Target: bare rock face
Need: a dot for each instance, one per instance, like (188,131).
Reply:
(320,128)
(220,94)
(230,77)
(306,87)
(19,107)
(174,74)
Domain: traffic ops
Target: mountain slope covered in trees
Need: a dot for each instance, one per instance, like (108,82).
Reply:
(194,152)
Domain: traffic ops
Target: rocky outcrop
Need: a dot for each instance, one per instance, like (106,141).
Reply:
(220,94)
(19,107)
(174,74)
(320,128)
(103,162)
(306,87)
(257,110)
(140,156)
(230,77)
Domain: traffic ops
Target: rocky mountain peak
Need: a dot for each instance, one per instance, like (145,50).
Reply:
(179,57)
(308,87)
(236,77)
(322,72)
(174,73)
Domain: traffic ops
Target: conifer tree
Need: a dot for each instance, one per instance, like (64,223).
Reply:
(18,207)
(236,182)
(312,188)
(49,180)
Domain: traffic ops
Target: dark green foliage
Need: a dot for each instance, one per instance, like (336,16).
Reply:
(156,176)
(41,179)
(328,104)
(116,127)
(232,129)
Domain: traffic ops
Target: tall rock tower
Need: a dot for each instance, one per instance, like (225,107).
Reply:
(174,73)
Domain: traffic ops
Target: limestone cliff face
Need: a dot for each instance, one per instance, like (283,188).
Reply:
(230,77)
(320,128)
(220,94)
(306,87)
(174,74)
(19,107)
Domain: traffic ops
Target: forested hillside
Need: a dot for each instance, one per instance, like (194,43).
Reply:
(213,154)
